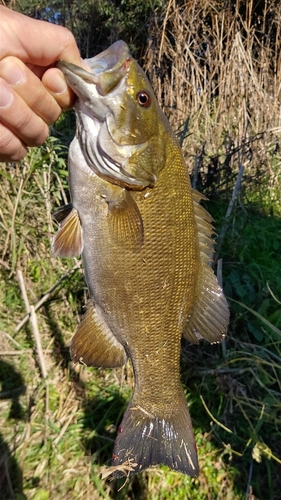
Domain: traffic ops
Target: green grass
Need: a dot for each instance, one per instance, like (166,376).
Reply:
(58,434)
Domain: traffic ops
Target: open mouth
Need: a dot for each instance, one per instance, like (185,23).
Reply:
(107,69)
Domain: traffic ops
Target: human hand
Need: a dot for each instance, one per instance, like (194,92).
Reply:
(32,91)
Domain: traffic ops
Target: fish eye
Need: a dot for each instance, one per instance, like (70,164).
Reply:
(144,98)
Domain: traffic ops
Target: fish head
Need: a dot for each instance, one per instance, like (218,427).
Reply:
(120,126)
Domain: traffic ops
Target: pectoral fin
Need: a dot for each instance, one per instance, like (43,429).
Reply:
(209,316)
(125,221)
(62,212)
(68,241)
(95,345)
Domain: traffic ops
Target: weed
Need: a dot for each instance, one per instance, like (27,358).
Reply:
(213,65)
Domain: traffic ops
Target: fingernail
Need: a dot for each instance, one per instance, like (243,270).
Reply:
(6,96)
(11,73)
(57,85)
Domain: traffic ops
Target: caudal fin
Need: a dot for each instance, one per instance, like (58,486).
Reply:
(144,440)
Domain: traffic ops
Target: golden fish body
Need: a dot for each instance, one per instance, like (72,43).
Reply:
(146,247)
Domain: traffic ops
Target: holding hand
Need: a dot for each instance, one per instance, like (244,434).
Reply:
(32,91)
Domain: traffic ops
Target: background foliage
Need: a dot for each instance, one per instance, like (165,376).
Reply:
(216,70)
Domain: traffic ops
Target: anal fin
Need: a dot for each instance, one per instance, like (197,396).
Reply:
(209,316)
(68,240)
(94,344)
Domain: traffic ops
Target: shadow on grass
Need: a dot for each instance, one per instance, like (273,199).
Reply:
(13,386)
(61,350)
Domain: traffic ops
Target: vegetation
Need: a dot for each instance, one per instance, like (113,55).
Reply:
(216,70)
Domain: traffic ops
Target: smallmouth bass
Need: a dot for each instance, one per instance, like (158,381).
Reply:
(146,246)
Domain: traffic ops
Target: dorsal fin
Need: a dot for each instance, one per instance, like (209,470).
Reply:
(205,228)
(209,315)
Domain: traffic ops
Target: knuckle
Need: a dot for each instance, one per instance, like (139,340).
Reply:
(42,136)
(69,40)
(37,134)
(45,105)
(11,147)
(28,126)
(64,101)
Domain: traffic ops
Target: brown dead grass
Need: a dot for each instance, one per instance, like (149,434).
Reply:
(206,64)
(220,70)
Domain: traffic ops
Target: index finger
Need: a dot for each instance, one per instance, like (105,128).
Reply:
(36,42)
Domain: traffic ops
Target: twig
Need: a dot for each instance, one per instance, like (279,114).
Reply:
(229,212)
(4,264)
(15,213)
(124,468)
(11,339)
(259,316)
(46,195)
(254,346)
(23,290)
(61,188)
(212,416)
(272,294)
(46,296)
(63,430)
(217,371)
(23,351)
(33,319)
(198,163)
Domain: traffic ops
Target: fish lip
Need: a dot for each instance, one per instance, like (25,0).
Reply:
(107,69)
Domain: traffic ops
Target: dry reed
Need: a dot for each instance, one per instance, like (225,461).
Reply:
(220,72)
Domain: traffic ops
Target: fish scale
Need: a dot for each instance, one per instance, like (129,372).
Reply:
(146,245)
(175,270)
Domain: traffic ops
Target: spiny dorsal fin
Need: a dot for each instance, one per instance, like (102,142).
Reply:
(209,316)
(125,221)
(94,344)
(68,240)
(205,228)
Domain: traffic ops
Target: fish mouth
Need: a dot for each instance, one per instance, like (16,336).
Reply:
(99,92)
(107,70)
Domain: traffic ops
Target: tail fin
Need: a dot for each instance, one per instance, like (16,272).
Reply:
(144,440)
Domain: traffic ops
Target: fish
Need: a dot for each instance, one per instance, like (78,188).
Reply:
(146,246)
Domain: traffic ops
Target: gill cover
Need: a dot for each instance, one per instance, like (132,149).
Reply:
(117,130)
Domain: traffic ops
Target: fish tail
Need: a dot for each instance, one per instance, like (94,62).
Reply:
(144,440)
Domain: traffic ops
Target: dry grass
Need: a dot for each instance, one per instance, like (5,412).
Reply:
(217,73)
(218,77)
(57,431)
